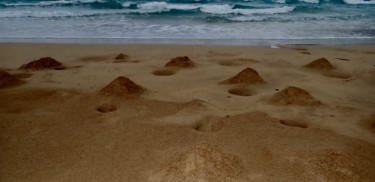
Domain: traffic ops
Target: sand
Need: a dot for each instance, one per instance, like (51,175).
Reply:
(104,118)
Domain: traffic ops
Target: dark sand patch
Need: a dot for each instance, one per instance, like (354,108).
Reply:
(121,56)
(104,108)
(343,59)
(294,96)
(248,75)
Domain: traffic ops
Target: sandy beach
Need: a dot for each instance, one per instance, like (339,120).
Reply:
(187,113)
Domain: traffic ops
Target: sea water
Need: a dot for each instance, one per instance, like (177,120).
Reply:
(189,21)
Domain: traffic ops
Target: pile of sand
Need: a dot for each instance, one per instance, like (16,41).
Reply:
(294,96)
(43,63)
(121,56)
(247,75)
(202,162)
(122,86)
(320,64)
(7,80)
(182,62)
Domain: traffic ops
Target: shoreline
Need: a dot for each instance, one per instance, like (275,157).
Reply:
(194,41)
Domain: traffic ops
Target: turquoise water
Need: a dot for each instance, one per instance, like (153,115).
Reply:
(227,20)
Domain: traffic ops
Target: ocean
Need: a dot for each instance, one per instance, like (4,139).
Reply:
(189,21)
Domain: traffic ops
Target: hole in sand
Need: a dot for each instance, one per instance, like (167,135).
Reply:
(104,108)
(163,72)
(293,123)
(240,91)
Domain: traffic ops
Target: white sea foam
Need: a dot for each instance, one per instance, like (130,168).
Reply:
(227,9)
(359,1)
(151,7)
(311,1)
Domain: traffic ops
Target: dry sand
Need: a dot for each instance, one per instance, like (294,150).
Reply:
(172,124)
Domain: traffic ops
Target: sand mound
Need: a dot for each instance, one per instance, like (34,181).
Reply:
(106,108)
(183,62)
(320,64)
(293,123)
(122,86)
(202,162)
(247,75)
(7,80)
(294,96)
(163,72)
(42,63)
(209,124)
(121,56)
(240,91)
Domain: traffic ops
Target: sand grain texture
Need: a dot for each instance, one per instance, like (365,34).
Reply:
(202,162)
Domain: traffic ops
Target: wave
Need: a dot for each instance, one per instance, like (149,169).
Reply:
(171,4)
